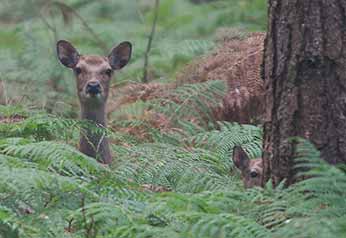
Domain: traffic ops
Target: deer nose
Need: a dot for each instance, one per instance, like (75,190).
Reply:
(93,87)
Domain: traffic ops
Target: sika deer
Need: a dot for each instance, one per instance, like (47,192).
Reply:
(93,75)
(251,170)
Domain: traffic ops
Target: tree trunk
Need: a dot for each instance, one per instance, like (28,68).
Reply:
(305,80)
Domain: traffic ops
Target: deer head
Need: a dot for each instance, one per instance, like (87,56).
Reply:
(251,170)
(93,75)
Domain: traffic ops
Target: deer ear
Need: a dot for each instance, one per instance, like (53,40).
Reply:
(240,158)
(67,54)
(120,55)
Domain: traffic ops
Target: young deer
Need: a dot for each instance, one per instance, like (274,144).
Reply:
(93,75)
(251,170)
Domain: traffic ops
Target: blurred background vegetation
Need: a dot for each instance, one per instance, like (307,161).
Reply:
(185,29)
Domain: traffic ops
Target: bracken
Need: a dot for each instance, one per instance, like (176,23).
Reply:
(237,60)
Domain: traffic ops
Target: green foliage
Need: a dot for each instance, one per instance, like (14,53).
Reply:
(193,101)
(48,189)
(229,135)
(319,208)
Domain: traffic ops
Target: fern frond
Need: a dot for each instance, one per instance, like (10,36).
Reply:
(227,225)
(229,135)
(58,158)
(193,101)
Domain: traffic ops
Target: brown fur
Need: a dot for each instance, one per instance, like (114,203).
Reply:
(251,170)
(94,70)
(94,60)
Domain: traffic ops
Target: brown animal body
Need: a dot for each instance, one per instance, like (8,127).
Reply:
(251,170)
(93,75)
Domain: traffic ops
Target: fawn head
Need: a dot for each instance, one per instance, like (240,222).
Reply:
(93,73)
(251,170)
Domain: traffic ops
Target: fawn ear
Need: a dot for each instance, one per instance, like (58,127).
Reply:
(67,54)
(240,158)
(120,55)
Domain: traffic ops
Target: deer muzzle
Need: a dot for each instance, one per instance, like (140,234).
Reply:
(93,88)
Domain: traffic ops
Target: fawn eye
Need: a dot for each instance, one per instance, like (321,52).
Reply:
(253,174)
(108,72)
(77,70)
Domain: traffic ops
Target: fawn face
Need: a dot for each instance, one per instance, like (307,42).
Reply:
(93,73)
(251,170)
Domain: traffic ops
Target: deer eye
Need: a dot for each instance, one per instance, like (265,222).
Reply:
(253,174)
(77,71)
(108,72)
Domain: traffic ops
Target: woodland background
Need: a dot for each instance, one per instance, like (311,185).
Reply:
(172,175)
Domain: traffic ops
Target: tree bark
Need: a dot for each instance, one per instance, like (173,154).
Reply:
(305,80)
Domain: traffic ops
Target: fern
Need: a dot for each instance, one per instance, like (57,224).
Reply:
(231,134)
(226,225)
(55,157)
(49,182)
(194,101)
(319,207)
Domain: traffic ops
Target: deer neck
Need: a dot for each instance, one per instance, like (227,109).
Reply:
(94,114)
(92,143)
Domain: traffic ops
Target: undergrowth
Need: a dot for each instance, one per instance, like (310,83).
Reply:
(156,188)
